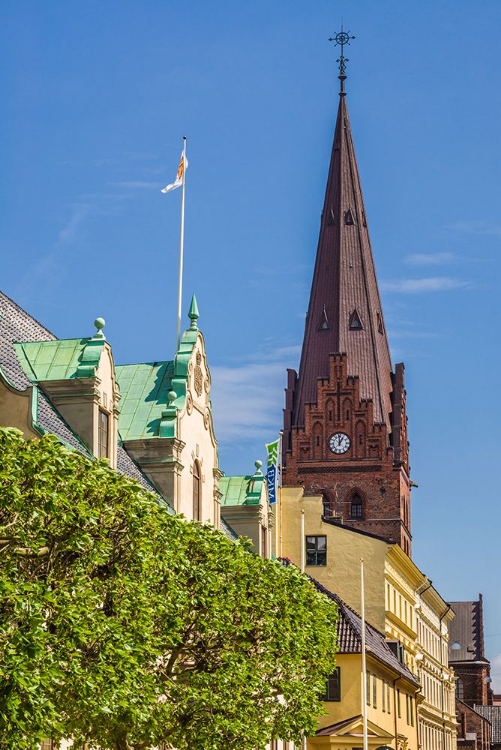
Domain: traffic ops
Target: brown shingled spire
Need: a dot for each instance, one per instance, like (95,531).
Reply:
(345,313)
(345,427)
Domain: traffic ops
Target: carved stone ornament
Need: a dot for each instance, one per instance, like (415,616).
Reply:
(206,419)
(189,402)
(198,378)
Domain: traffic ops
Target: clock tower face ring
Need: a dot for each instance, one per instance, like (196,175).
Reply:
(339,442)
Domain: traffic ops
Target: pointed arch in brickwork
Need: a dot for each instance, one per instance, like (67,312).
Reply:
(318,440)
(330,411)
(360,439)
(357,505)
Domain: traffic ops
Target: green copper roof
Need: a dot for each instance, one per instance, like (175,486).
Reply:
(144,396)
(61,359)
(241,490)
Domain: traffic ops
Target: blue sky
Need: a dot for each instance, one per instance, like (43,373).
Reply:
(98,97)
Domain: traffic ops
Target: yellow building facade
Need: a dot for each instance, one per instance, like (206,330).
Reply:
(400,601)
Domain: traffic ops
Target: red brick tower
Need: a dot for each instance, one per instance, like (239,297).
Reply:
(345,428)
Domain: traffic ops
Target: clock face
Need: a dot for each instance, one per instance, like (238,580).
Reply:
(339,442)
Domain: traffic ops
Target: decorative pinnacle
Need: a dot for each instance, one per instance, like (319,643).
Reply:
(193,313)
(258,465)
(99,323)
(342,38)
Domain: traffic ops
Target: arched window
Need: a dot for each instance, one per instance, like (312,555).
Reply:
(196,491)
(356,508)
(459,689)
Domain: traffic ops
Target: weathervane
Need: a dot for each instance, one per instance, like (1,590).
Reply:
(342,38)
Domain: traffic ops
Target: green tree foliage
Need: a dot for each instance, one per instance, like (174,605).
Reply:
(126,627)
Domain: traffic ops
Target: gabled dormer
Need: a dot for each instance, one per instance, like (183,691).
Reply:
(245,507)
(78,376)
(166,425)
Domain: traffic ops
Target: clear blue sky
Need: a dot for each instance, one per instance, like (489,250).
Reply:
(98,96)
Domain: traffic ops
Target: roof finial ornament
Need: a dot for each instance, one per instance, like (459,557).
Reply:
(342,38)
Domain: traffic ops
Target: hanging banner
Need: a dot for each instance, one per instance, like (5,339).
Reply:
(272,470)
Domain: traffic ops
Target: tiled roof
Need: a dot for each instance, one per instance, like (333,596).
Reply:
(241,490)
(225,527)
(350,636)
(466,632)
(493,714)
(345,287)
(143,391)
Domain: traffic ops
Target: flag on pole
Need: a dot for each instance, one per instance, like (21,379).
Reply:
(183,166)
(272,470)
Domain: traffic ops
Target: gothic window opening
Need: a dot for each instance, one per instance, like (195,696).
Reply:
(196,491)
(379,322)
(355,322)
(331,219)
(356,507)
(348,217)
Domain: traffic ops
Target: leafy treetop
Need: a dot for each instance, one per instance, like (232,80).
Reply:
(125,627)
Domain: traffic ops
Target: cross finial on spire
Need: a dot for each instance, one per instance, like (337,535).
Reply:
(342,38)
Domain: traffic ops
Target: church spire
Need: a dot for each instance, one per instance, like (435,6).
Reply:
(344,313)
(345,424)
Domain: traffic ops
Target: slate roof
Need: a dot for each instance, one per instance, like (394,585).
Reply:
(350,637)
(225,527)
(466,630)
(345,288)
(493,714)
(143,391)
(16,325)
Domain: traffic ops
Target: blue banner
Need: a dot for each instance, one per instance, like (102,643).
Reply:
(272,470)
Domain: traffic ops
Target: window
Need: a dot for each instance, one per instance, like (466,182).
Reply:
(196,491)
(333,687)
(388,701)
(102,437)
(368,687)
(316,550)
(374,691)
(459,689)
(399,708)
(348,217)
(264,534)
(383,695)
(355,322)
(356,509)
(46,745)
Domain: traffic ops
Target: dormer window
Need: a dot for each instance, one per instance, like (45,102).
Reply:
(103,435)
(355,322)
(348,217)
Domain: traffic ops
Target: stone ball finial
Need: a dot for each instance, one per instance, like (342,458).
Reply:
(258,464)
(171,397)
(99,324)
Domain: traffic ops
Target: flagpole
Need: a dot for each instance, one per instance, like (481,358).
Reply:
(364,665)
(181,252)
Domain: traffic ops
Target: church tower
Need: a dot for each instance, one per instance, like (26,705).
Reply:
(345,427)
